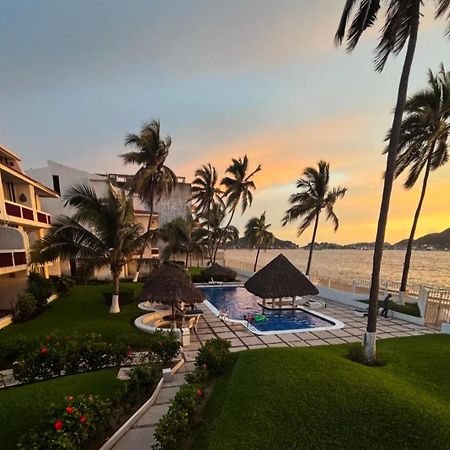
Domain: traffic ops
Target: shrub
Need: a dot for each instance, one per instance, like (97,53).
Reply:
(71,426)
(165,346)
(62,285)
(126,295)
(142,380)
(40,287)
(72,355)
(26,307)
(11,348)
(214,356)
(356,354)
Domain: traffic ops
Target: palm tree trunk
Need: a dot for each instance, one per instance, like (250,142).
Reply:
(256,260)
(220,238)
(408,253)
(141,256)
(187,259)
(370,336)
(115,308)
(313,240)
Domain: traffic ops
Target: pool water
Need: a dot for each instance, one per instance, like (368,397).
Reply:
(237,302)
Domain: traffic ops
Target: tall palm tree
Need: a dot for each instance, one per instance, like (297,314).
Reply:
(205,192)
(258,235)
(423,144)
(101,233)
(238,186)
(400,28)
(183,235)
(153,178)
(314,196)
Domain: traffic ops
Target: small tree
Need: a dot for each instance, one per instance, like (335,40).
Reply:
(258,235)
(101,233)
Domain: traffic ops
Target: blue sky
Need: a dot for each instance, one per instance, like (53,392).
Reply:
(225,78)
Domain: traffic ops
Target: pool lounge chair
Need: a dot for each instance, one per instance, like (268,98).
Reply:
(193,322)
(315,304)
(215,282)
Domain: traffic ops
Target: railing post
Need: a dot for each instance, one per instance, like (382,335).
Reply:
(329,282)
(353,287)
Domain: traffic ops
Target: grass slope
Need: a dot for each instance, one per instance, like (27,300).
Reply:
(314,398)
(82,311)
(23,407)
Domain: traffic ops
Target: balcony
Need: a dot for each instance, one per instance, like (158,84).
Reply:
(13,254)
(17,211)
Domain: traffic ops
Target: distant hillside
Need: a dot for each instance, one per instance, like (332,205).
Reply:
(242,243)
(434,241)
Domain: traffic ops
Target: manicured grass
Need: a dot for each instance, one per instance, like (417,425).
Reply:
(82,311)
(196,270)
(24,406)
(408,308)
(314,398)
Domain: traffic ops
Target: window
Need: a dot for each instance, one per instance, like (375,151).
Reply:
(56,186)
(11,192)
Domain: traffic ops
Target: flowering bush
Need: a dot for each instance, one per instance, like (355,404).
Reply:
(214,356)
(47,358)
(165,346)
(142,380)
(70,426)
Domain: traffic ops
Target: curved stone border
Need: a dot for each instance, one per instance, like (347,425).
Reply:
(148,323)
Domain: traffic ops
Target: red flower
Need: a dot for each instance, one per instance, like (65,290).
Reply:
(70,410)
(70,397)
(205,366)
(199,392)
(44,350)
(83,419)
(210,349)
(129,352)
(49,338)
(58,425)
(161,343)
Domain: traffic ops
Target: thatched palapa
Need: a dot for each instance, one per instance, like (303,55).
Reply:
(279,279)
(220,273)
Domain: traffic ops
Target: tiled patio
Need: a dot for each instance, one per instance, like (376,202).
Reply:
(354,328)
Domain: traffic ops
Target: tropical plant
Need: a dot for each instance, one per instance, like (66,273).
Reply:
(153,178)
(423,144)
(401,26)
(206,192)
(314,195)
(238,186)
(183,236)
(101,233)
(258,235)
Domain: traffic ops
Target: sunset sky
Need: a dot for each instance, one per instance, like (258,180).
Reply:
(226,78)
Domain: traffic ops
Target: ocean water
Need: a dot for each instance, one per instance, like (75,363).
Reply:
(427,267)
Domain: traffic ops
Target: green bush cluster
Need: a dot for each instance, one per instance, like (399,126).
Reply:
(69,354)
(126,295)
(214,355)
(176,424)
(142,380)
(71,426)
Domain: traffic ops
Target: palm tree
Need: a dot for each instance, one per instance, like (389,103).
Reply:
(153,178)
(183,235)
(205,192)
(258,235)
(314,196)
(401,26)
(238,186)
(423,145)
(101,233)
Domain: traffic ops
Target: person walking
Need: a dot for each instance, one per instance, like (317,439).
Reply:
(385,311)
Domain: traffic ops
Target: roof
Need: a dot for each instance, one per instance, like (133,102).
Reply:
(278,279)
(169,284)
(216,270)
(9,153)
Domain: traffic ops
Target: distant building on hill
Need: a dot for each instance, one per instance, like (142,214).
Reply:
(61,177)
(24,219)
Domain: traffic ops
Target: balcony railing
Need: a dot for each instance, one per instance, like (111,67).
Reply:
(23,212)
(12,258)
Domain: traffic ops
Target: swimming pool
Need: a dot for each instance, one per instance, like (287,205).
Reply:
(237,302)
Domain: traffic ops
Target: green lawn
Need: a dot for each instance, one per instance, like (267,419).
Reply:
(408,308)
(315,398)
(23,407)
(82,311)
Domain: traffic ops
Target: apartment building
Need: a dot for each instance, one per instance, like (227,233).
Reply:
(61,177)
(23,220)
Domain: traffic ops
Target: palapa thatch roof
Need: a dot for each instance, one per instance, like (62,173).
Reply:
(218,271)
(169,284)
(280,278)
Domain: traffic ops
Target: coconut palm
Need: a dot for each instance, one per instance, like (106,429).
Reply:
(423,144)
(238,186)
(153,178)
(258,235)
(183,235)
(102,233)
(400,28)
(205,192)
(314,196)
